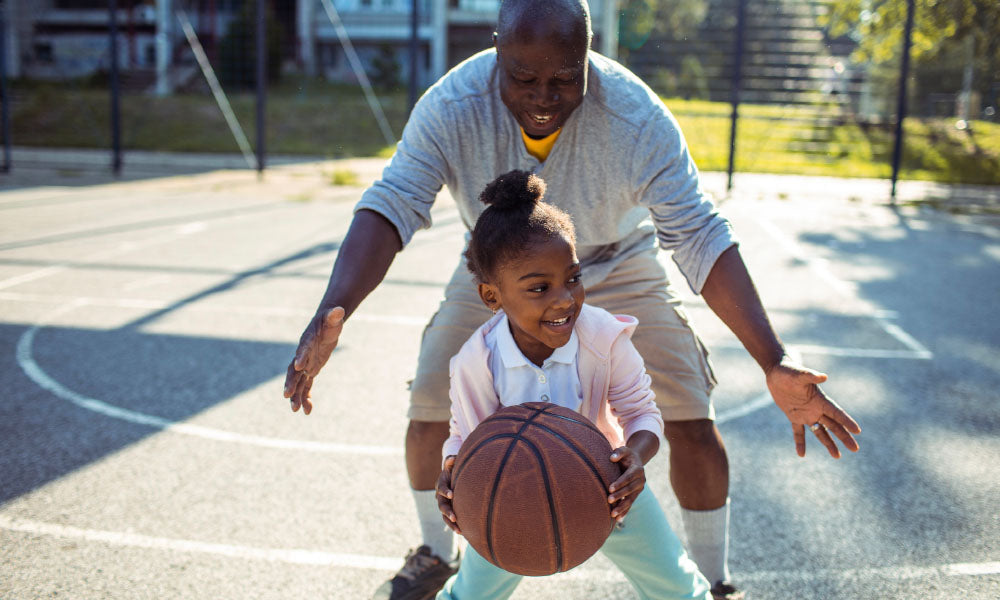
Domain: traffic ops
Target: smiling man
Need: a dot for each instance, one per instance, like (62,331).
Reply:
(614,158)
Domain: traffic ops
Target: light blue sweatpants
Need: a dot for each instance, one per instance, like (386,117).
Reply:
(646,550)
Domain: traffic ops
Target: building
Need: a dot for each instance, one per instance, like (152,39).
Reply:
(61,39)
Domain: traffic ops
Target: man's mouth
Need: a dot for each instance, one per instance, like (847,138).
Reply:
(540,119)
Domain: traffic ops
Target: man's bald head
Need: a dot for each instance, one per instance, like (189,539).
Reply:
(523,20)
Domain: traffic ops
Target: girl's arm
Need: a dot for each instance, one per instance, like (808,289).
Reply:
(631,401)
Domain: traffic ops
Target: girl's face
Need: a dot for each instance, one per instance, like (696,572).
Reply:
(541,293)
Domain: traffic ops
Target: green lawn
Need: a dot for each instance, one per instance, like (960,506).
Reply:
(317,118)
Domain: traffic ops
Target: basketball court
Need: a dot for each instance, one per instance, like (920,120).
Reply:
(147,450)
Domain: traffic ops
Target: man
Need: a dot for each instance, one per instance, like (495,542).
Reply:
(612,156)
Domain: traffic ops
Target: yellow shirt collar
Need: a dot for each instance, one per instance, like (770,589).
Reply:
(540,148)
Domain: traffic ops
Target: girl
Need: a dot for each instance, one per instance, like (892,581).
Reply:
(545,344)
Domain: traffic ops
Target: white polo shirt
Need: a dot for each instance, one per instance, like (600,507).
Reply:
(517,380)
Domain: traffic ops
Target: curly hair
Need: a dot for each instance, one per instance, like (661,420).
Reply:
(515,219)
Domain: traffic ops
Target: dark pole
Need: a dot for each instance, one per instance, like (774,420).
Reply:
(4,100)
(261,84)
(904,75)
(737,82)
(116,133)
(414,49)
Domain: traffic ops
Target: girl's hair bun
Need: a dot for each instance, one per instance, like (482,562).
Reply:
(516,189)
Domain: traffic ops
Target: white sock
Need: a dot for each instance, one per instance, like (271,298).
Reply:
(436,534)
(708,541)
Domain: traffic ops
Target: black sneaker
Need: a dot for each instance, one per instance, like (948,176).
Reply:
(422,576)
(724,590)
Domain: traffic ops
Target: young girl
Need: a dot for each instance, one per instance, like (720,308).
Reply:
(545,344)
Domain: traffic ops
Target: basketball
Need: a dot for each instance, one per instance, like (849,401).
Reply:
(530,488)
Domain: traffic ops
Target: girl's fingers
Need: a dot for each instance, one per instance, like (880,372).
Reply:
(619,510)
(453,526)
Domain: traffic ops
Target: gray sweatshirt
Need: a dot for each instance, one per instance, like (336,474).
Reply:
(620,160)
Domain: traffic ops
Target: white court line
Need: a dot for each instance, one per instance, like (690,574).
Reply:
(283,555)
(381,563)
(146,304)
(820,266)
(42,379)
(123,248)
(834,351)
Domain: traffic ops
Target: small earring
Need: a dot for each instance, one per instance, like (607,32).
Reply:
(494,309)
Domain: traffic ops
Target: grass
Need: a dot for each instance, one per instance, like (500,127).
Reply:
(317,118)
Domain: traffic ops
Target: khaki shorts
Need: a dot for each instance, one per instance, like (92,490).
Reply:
(676,359)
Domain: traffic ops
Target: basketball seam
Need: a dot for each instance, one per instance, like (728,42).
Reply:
(560,560)
(496,484)
(576,450)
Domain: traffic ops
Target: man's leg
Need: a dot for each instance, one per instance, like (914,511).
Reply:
(682,379)
(699,474)
(430,564)
(423,465)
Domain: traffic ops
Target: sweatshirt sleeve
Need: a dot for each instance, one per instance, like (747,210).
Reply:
(629,394)
(415,173)
(472,397)
(665,181)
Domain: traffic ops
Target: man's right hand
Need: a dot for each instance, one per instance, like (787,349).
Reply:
(315,346)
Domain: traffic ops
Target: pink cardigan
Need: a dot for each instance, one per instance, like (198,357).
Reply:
(616,393)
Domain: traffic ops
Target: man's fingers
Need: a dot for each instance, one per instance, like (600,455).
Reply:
(839,416)
(300,398)
(334,316)
(824,437)
(291,380)
(841,432)
(799,433)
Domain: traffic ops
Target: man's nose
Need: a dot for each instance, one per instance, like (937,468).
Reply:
(547,95)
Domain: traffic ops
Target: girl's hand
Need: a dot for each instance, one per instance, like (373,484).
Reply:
(444,495)
(622,493)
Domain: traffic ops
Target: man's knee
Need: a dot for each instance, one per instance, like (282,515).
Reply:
(427,432)
(699,434)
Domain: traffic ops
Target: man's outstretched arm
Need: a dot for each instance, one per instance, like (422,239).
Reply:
(364,257)
(730,293)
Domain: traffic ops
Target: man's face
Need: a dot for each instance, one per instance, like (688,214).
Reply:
(542,80)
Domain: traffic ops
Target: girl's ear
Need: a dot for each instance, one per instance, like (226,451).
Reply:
(490,296)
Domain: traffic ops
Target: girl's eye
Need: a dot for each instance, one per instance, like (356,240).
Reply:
(575,278)
(537,288)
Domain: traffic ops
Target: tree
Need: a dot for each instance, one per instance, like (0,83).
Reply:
(638,20)
(238,48)
(945,33)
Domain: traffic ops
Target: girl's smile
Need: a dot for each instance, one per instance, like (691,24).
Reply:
(542,294)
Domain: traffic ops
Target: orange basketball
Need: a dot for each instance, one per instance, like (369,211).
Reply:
(530,488)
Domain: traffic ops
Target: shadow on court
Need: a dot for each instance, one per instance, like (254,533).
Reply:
(171,377)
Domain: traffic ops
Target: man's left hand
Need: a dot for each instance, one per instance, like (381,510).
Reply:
(796,391)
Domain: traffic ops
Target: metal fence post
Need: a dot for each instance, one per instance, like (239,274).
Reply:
(116,149)
(261,84)
(414,49)
(4,98)
(904,75)
(737,82)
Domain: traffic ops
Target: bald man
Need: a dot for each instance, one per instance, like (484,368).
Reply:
(614,158)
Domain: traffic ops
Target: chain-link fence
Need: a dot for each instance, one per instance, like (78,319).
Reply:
(780,86)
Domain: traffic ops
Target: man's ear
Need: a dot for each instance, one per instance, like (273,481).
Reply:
(490,296)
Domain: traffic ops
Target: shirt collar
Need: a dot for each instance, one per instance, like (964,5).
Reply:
(512,356)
